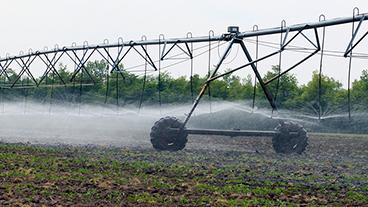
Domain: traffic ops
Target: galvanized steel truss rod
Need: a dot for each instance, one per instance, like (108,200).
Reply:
(224,37)
(239,40)
(50,61)
(81,61)
(24,61)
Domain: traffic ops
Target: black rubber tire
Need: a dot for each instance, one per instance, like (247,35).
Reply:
(291,138)
(165,139)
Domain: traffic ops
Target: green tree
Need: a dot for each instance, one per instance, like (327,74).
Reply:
(359,92)
(332,95)
(285,94)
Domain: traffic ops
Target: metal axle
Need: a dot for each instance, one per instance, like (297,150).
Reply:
(232,133)
(169,135)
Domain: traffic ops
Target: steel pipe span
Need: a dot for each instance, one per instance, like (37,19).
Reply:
(223,37)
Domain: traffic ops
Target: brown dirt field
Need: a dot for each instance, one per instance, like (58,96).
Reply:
(211,171)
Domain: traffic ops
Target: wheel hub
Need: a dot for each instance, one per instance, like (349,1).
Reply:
(291,138)
(168,134)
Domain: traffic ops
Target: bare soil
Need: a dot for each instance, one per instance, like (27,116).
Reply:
(211,171)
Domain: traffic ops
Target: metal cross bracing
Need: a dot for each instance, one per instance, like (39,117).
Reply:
(51,58)
(146,50)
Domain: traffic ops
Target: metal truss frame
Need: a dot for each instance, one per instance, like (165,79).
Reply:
(80,55)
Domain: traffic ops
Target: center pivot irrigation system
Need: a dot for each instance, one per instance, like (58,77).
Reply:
(169,133)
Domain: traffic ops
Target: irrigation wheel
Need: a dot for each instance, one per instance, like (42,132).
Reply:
(167,134)
(292,138)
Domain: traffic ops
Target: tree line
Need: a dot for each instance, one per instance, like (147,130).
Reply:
(96,84)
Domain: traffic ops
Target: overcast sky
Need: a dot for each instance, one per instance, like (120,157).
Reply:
(38,23)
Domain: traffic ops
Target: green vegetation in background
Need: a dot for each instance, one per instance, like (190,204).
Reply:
(127,88)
